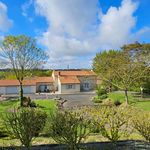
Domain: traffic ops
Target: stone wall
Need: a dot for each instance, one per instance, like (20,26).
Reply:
(75,89)
(121,145)
(87,79)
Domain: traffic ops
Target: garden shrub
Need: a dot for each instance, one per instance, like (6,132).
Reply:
(26,101)
(96,100)
(117,103)
(100,91)
(104,96)
(101,94)
(94,127)
(25,123)
(33,104)
(3,131)
(69,128)
(112,122)
(141,122)
(108,102)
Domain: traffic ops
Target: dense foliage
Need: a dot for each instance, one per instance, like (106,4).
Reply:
(8,74)
(126,69)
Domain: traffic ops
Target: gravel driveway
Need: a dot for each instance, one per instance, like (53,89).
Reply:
(79,99)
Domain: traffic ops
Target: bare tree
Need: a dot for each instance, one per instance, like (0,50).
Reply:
(22,55)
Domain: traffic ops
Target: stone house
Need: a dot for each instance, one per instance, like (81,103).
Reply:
(61,81)
(73,81)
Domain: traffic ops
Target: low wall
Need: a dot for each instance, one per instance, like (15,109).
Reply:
(121,145)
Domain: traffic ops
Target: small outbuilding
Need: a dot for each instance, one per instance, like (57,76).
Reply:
(33,85)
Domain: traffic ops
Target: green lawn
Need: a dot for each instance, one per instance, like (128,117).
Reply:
(46,105)
(120,96)
(145,105)
(139,103)
(5,105)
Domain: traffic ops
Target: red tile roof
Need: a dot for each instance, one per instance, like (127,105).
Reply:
(44,79)
(69,79)
(75,73)
(32,81)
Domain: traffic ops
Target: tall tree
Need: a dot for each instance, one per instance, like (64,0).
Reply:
(121,69)
(103,65)
(22,55)
(140,53)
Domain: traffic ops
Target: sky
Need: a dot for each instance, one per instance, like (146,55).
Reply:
(73,31)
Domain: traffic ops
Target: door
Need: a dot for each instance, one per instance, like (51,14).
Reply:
(86,86)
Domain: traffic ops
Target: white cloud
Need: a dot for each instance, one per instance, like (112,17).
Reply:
(142,34)
(116,25)
(5,22)
(25,10)
(79,28)
(1,37)
(71,16)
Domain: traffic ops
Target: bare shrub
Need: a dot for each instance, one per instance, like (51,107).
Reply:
(25,124)
(112,122)
(69,128)
(141,122)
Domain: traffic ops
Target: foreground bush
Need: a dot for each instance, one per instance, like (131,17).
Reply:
(96,100)
(3,131)
(117,103)
(141,122)
(69,128)
(25,123)
(100,91)
(112,122)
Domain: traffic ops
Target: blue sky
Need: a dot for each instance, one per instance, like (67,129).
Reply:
(72,31)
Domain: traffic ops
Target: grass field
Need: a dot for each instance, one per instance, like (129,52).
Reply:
(145,105)
(46,105)
(121,97)
(137,102)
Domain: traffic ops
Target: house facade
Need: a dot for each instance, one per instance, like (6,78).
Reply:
(34,85)
(61,81)
(73,81)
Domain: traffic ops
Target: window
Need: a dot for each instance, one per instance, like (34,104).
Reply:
(86,85)
(70,86)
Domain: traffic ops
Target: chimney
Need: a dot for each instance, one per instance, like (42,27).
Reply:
(58,73)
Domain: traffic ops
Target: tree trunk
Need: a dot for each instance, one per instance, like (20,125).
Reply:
(21,94)
(110,88)
(126,96)
(142,94)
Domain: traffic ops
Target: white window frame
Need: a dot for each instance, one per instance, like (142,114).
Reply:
(70,86)
(86,85)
